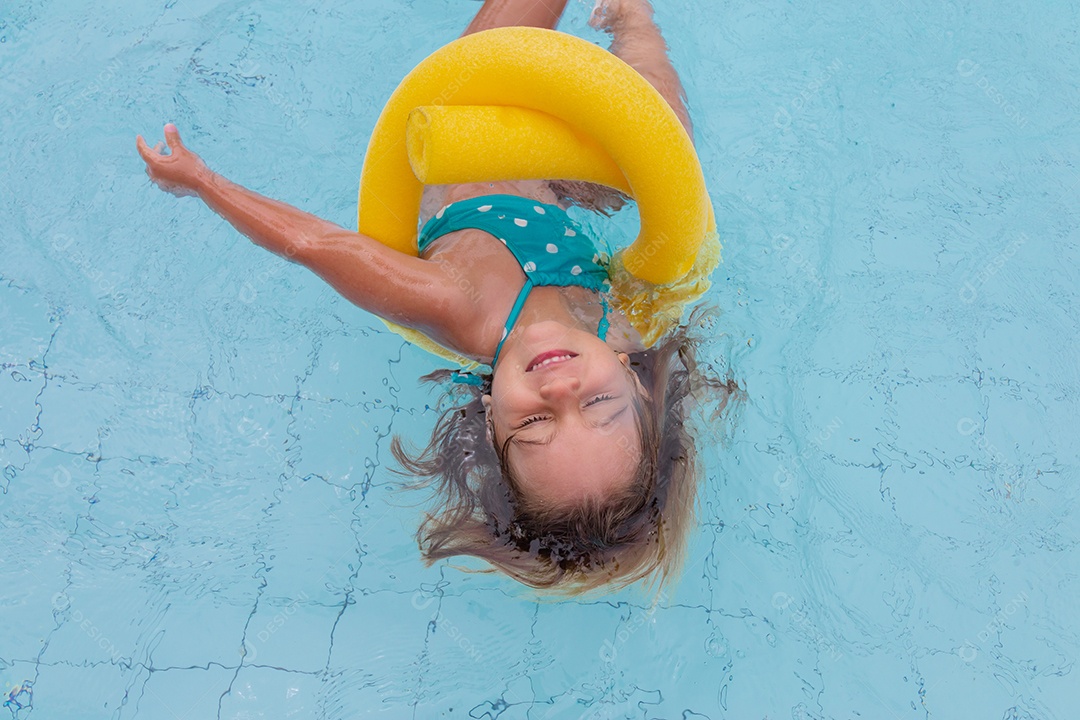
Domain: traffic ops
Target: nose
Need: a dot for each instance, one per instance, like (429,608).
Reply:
(560,387)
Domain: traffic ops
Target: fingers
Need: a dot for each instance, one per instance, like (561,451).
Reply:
(172,137)
(149,154)
(144,150)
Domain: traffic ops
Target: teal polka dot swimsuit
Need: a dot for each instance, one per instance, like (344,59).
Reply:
(550,247)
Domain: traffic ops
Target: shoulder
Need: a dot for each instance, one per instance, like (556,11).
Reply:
(466,328)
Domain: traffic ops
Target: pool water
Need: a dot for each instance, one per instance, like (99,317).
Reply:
(197,506)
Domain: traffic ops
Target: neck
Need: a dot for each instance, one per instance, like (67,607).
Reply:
(542,304)
(574,307)
(578,308)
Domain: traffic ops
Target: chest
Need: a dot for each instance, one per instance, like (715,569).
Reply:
(487,280)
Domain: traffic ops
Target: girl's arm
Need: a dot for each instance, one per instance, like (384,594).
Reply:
(404,289)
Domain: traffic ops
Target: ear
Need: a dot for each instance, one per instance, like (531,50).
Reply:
(625,360)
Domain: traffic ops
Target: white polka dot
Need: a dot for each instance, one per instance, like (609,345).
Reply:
(504,334)
(484,208)
(529,266)
(539,209)
(521,222)
(596,258)
(570,233)
(576,270)
(441,211)
(502,241)
(552,248)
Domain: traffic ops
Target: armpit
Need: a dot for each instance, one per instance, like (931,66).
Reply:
(590,196)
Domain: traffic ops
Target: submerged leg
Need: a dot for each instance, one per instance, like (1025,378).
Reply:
(510,13)
(636,40)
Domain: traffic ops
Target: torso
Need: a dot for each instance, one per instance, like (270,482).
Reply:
(489,276)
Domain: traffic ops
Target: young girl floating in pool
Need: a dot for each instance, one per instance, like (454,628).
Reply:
(569,466)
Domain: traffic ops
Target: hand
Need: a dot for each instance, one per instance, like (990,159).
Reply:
(181,172)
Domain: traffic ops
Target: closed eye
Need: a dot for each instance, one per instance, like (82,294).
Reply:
(537,418)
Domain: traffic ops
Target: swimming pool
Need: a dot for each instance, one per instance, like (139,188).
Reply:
(197,512)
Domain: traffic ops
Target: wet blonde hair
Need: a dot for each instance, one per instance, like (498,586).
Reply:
(634,534)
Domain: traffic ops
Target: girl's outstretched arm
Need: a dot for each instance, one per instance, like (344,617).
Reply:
(636,39)
(405,289)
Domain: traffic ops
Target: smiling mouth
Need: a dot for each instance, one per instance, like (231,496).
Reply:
(549,358)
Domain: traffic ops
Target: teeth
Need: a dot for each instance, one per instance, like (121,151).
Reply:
(558,358)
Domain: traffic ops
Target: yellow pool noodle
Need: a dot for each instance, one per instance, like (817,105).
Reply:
(601,98)
(471,143)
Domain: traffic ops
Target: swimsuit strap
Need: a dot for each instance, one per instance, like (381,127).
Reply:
(603,325)
(511,319)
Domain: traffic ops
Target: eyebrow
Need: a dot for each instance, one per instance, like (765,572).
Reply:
(514,440)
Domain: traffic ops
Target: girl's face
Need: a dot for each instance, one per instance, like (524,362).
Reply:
(562,404)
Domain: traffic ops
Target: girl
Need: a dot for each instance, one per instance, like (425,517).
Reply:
(569,466)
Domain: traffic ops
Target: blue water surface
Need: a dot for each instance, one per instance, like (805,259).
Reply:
(197,506)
